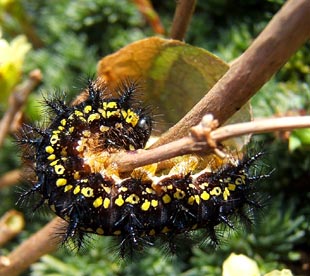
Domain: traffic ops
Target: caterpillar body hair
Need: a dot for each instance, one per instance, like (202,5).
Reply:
(73,178)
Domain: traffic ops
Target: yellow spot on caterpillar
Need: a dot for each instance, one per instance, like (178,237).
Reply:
(93,117)
(107,105)
(71,129)
(54,139)
(170,187)
(115,113)
(231,187)
(63,151)
(86,133)
(78,113)
(59,169)
(56,131)
(61,182)
(117,232)
(216,191)
(132,147)
(76,189)
(203,185)
(226,194)
(49,149)
(166,198)
(179,194)
(54,163)
(240,180)
(68,188)
(192,186)
(119,201)
(106,203)
(104,128)
(87,191)
(132,199)
(63,122)
(152,232)
(145,205)
(76,175)
(98,202)
(191,200)
(51,157)
(165,230)
(119,125)
(107,190)
(102,112)
(149,191)
(132,118)
(154,203)
(87,108)
(205,195)
(82,119)
(124,113)
(99,231)
(123,189)
(61,128)
(197,199)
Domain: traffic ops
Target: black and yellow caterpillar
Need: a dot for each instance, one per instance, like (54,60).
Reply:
(74,179)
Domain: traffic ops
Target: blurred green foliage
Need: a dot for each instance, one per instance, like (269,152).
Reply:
(69,38)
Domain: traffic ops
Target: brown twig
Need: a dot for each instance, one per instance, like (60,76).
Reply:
(271,49)
(182,17)
(202,138)
(11,224)
(17,100)
(10,178)
(146,8)
(43,242)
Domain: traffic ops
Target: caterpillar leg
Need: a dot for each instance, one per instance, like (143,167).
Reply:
(29,193)
(131,232)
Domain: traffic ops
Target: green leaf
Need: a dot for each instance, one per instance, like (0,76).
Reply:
(299,138)
(177,75)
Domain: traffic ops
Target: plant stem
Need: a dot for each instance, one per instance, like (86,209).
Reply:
(182,17)
(286,32)
(43,242)
(195,144)
(17,100)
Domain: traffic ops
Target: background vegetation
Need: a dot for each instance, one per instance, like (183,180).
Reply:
(68,38)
